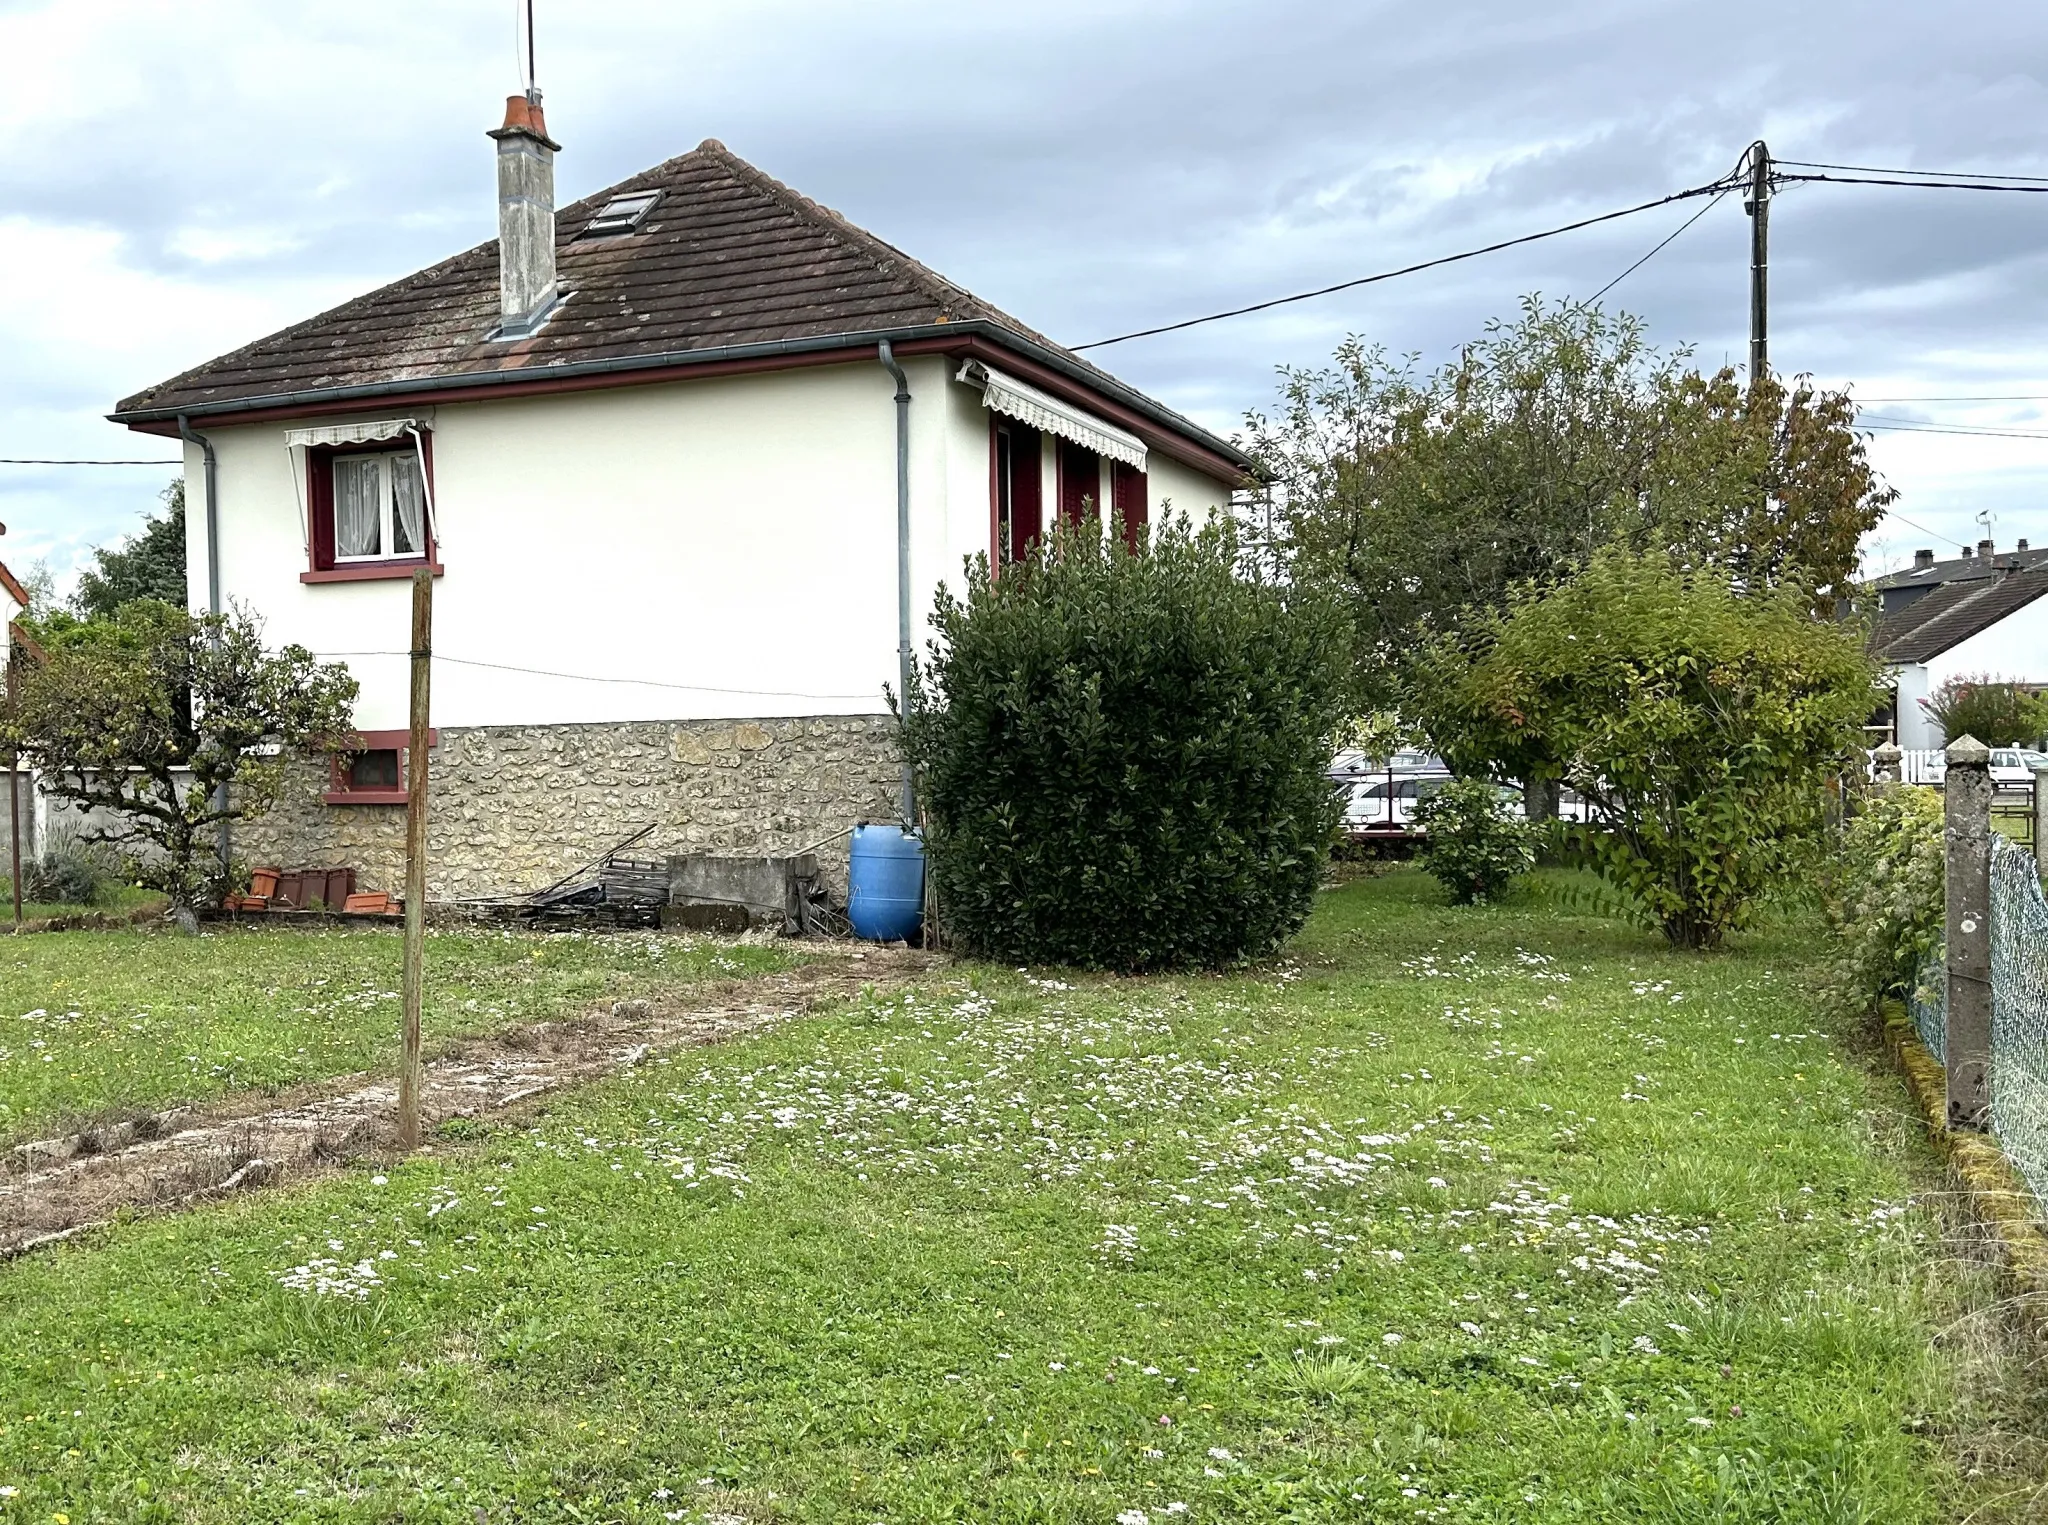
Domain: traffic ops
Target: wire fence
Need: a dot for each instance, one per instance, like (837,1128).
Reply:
(2019,1011)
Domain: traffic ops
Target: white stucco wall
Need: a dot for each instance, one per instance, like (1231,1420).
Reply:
(1915,729)
(733,537)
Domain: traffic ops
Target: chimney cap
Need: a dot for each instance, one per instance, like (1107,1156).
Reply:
(524,118)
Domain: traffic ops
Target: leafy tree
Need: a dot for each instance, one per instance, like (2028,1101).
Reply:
(150,713)
(1122,757)
(1997,711)
(1422,496)
(148,565)
(1472,843)
(1702,719)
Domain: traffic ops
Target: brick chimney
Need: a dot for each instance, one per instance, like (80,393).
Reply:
(1922,559)
(1984,549)
(527,288)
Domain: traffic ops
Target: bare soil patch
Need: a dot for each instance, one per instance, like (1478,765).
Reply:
(52,1189)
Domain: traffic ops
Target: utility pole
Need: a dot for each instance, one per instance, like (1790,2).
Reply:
(13,787)
(1758,205)
(415,859)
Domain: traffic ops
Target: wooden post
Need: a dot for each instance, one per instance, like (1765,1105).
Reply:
(13,787)
(415,858)
(14,826)
(2040,820)
(1966,837)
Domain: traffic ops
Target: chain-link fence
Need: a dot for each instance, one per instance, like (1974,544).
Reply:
(2019,1012)
(1928,1006)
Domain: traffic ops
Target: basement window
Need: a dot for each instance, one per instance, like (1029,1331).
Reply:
(374,773)
(622,214)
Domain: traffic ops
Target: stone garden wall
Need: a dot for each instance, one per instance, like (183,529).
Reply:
(513,808)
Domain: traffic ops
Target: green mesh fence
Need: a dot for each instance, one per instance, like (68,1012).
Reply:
(1928,1006)
(2019,1012)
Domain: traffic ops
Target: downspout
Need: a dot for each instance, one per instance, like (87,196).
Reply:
(212,479)
(903,656)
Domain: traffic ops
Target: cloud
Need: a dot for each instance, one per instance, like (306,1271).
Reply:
(182,179)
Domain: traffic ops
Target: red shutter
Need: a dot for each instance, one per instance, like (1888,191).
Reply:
(1080,483)
(1127,488)
(1015,467)
(320,506)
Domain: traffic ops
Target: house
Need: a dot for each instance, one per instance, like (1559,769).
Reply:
(654,450)
(1981,613)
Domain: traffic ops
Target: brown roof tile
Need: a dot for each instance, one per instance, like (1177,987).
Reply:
(1952,613)
(728,256)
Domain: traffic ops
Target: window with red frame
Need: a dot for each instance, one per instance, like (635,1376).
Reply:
(1127,493)
(368,509)
(1015,493)
(373,773)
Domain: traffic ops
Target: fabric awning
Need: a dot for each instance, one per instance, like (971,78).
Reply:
(354,434)
(1025,403)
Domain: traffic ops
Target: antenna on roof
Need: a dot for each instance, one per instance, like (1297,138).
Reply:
(522,46)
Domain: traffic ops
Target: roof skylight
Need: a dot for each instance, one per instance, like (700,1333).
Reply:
(622,214)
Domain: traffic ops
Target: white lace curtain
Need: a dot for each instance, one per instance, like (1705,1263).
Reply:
(408,503)
(358,505)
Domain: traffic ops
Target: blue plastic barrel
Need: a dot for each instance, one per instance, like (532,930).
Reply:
(885,883)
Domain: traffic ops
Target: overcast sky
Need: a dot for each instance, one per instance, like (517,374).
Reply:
(181,179)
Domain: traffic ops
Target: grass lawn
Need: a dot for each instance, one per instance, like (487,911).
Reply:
(1499,1215)
(94,1024)
(119,900)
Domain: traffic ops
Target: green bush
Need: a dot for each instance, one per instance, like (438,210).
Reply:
(1883,897)
(69,871)
(1997,711)
(1703,719)
(1122,757)
(1473,843)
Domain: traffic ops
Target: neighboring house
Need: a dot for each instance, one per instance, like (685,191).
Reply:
(1982,613)
(649,449)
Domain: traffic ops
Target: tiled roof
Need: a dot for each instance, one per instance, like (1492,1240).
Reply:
(727,257)
(1952,613)
(1961,567)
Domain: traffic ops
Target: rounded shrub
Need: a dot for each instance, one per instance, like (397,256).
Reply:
(1122,756)
(1473,843)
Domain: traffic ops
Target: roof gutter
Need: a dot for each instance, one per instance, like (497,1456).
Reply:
(923,335)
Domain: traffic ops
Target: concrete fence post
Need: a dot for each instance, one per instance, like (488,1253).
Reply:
(1966,838)
(1885,762)
(2041,819)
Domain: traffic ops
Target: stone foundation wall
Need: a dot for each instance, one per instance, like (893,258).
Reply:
(513,808)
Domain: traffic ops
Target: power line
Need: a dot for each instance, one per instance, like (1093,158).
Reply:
(577,677)
(1941,174)
(1669,238)
(1921,423)
(1918,185)
(15,460)
(1964,433)
(1923,529)
(1717,188)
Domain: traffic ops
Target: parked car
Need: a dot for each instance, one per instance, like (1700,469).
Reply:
(1384,804)
(2013,767)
